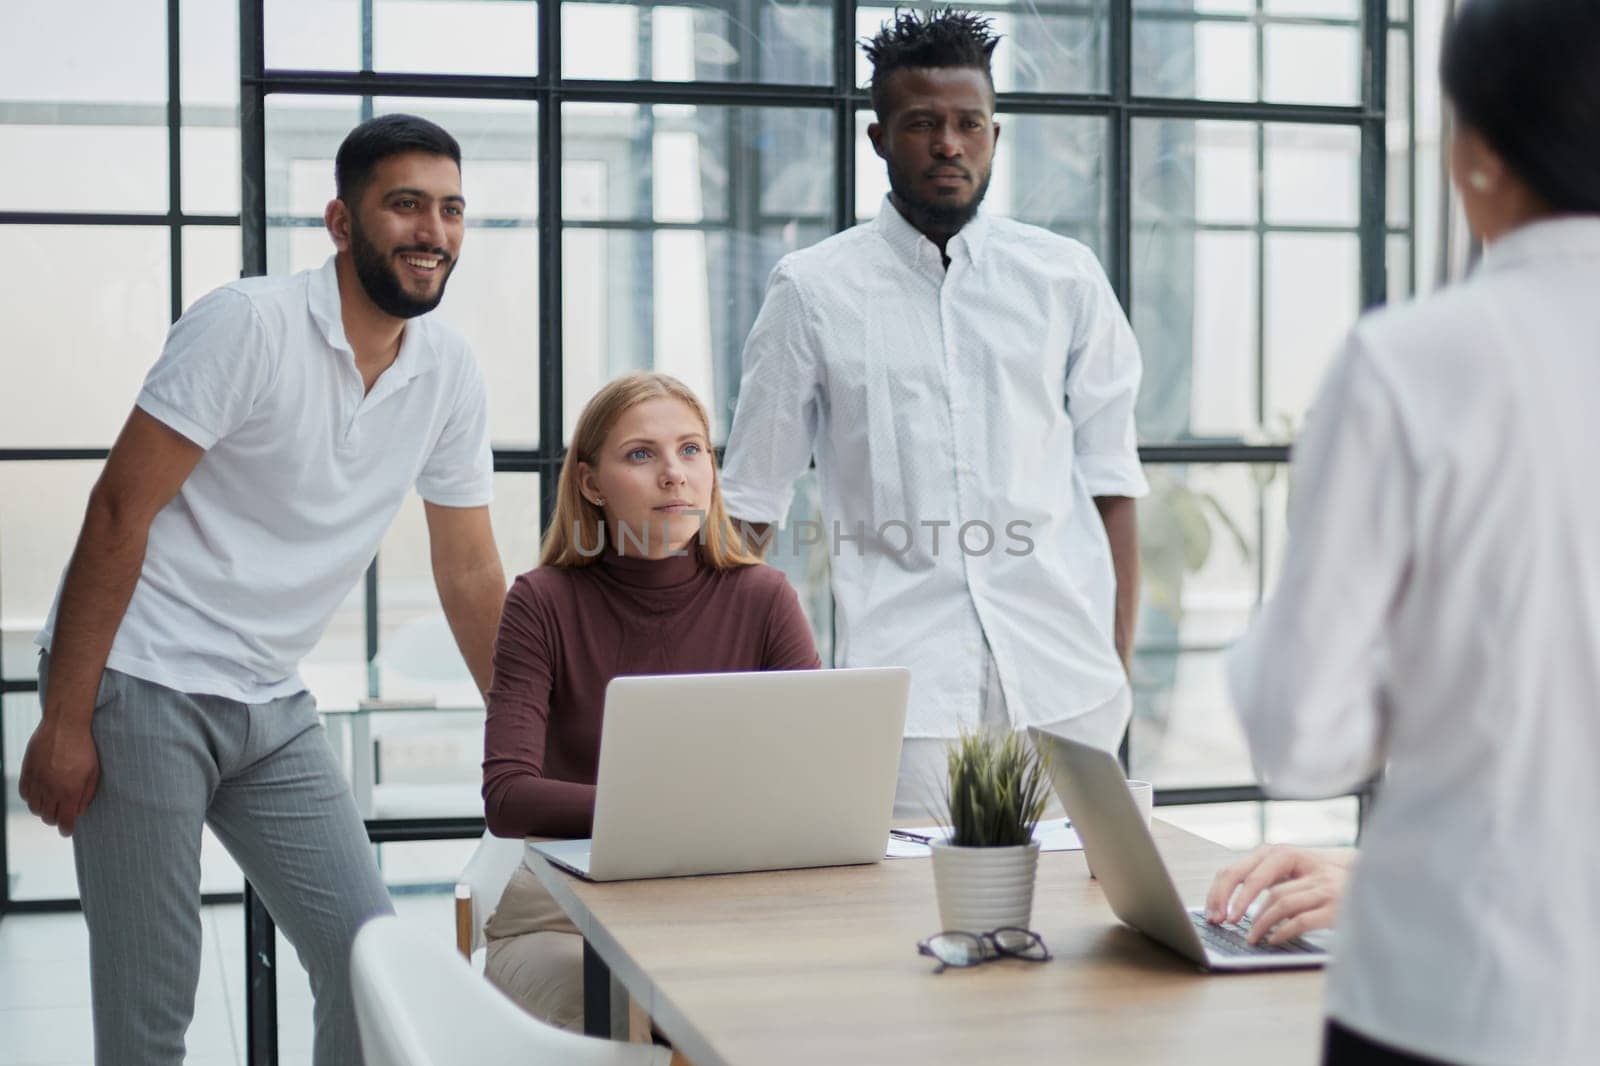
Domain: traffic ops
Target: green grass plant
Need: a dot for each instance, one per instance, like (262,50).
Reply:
(995,790)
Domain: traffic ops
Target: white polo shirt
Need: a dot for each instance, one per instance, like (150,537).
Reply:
(962,421)
(302,475)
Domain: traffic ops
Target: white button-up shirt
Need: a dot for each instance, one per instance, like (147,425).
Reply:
(303,473)
(962,421)
(1439,611)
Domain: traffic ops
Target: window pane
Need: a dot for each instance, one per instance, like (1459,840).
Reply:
(335,670)
(89,313)
(669,238)
(1400,268)
(67,169)
(1195,277)
(417,656)
(209,144)
(1313,64)
(1227,52)
(118,52)
(1313,175)
(456,36)
(1040,51)
(769,41)
(1312,299)
(1209,274)
(1048,171)
(1201,541)
(1332,9)
(1179,53)
(493,292)
(66,110)
(36,540)
(211,259)
(312,34)
(1185,733)
(1398,132)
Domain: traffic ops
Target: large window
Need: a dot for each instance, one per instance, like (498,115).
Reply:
(1244,168)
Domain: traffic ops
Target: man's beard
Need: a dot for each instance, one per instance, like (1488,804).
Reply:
(930,216)
(381,279)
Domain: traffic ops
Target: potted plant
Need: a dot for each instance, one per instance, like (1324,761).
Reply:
(983,871)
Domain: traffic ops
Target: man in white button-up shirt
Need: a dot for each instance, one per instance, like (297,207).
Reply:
(966,385)
(268,451)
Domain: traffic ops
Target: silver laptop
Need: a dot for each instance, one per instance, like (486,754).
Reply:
(721,773)
(1137,885)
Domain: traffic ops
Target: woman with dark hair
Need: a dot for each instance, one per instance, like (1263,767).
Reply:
(1438,614)
(641,573)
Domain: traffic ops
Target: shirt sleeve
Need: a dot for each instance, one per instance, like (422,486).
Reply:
(518,800)
(789,644)
(1308,676)
(1103,371)
(215,365)
(780,397)
(459,472)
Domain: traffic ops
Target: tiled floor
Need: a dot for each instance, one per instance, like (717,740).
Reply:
(44,988)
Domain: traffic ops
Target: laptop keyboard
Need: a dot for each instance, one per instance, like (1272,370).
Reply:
(1230,940)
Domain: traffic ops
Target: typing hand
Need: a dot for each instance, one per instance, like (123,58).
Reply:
(1302,892)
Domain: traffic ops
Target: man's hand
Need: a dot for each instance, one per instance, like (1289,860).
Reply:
(60,772)
(1303,892)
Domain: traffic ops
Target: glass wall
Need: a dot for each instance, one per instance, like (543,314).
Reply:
(1244,169)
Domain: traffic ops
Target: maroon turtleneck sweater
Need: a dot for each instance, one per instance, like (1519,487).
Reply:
(567,632)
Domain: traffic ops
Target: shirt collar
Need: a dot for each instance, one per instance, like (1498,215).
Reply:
(1551,239)
(322,297)
(916,249)
(417,353)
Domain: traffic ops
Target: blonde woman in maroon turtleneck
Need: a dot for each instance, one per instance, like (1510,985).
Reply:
(640,573)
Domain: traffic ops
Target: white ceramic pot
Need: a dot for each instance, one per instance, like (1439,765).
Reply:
(981,889)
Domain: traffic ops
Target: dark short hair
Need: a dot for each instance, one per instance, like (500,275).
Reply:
(941,38)
(379,138)
(1525,74)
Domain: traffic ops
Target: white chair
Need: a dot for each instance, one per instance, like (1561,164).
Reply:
(418,1004)
(481,884)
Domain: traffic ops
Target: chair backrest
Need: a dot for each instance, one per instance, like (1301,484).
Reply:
(483,881)
(419,1004)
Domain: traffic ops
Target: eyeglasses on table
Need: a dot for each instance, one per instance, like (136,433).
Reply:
(955,948)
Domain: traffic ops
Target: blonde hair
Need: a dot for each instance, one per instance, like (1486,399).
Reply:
(578,522)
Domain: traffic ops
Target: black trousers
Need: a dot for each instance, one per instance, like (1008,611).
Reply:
(1346,1047)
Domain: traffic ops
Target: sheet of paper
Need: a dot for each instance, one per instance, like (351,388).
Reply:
(1052,835)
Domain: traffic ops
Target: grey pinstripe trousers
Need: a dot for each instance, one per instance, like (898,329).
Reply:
(263,777)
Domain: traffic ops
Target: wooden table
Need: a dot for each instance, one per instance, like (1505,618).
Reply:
(821,966)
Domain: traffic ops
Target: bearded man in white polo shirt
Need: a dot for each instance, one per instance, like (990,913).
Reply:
(269,450)
(966,385)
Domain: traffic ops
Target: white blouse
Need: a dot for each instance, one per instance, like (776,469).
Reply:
(1439,613)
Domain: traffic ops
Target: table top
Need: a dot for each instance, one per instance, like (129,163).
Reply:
(821,966)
